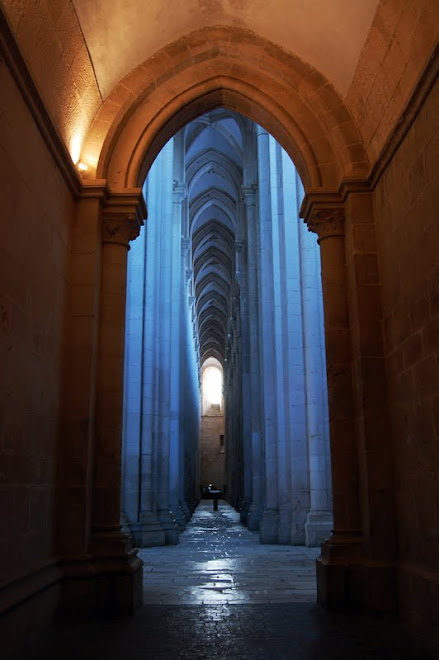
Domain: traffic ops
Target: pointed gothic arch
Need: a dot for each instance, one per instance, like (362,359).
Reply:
(235,69)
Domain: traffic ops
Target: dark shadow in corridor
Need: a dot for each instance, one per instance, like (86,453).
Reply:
(224,595)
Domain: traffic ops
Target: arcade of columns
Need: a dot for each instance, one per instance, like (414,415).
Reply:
(338,219)
(226,270)
(79,435)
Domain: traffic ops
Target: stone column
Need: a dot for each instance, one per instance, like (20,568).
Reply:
(181,383)
(167,458)
(319,522)
(118,568)
(269,525)
(187,455)
(175,440)
(133,386)
(249,202)
(187,402)
(241,276)
(374,443)
(75,461)
(337,577)
(291,367)
(189,381)
(151,532)
(284,339)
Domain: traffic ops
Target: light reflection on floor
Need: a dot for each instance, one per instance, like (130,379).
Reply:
(218,561)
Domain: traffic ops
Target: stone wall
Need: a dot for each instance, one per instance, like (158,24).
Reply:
(51,41)
(407,211)
(399,44)
(212,469)
(36,206)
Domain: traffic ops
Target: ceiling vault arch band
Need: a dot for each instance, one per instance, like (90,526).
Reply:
(213,173)
(274,88)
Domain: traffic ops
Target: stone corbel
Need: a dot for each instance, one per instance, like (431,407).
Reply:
(123,215)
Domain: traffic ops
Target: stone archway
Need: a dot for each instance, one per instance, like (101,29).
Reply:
(235,69)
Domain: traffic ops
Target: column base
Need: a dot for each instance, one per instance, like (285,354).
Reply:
(186,512)
(192,503)
(284,532)
(269,526)
(318,528)
(120,593)
(337,571)
(178,515)
(298,533)
(347,580)
(254,518)
(78,587)
(118,572)
(169,526)
(244,511)
(148,532)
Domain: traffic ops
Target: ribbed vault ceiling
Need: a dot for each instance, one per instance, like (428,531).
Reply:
(213,158)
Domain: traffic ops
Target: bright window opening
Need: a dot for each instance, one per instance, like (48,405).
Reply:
(212,386)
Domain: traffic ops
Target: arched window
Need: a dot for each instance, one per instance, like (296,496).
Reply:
(212,384)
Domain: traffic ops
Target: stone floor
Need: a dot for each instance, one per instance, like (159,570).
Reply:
(220,594)
(219,562)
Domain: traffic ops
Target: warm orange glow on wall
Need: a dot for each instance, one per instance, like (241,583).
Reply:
(84,163)
(90,156)
(75,147)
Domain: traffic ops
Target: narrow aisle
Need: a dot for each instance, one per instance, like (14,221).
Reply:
(220,594)
(219,561)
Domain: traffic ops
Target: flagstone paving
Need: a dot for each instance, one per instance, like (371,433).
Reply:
(221,594)
(219,561)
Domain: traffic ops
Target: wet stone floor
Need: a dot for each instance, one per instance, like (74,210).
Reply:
(218,561)
(221,594)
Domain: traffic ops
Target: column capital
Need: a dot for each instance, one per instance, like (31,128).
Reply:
(123,214)
(120,229)
(324,214)
(326,223)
